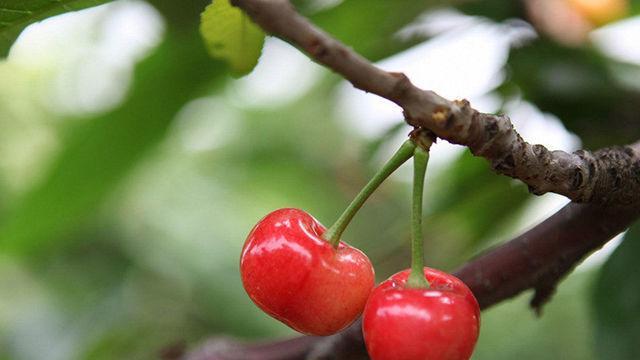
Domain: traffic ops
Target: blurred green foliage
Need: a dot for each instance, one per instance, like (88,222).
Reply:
(563,331)
(616,301)
(589,91)
(99,152)
(15,15)
(498,10)
(372,35)
(582,87)
(120,231)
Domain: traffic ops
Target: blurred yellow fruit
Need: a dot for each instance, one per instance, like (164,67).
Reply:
(600,12)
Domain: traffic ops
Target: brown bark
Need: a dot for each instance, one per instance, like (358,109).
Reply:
(608,176)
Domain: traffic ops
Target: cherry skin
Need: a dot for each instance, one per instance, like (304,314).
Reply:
(297,277)
(438,323)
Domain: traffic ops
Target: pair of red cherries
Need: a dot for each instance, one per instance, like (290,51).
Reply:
(293,274)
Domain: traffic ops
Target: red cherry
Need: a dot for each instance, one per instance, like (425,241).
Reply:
(297,277)
(438,323)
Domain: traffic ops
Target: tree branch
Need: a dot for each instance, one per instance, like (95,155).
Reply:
(606,181)
(608,176)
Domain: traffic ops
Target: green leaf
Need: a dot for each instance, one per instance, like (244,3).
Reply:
(100,153)
(15,15)
(231,36)
(617,301)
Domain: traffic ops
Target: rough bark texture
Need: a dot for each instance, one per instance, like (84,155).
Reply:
(604,186)
(608,176)
(542,256)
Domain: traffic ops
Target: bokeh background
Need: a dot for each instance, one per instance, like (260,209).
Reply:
(132,167)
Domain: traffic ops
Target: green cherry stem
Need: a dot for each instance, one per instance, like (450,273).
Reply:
(416,277)
(403,154)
